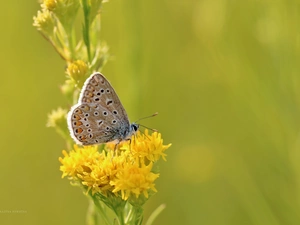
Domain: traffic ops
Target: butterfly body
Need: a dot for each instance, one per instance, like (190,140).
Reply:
(99,116)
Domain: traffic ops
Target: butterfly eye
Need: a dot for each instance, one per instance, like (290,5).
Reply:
(98,93)
(115,112)
(114,121)
(87,115)
(87,125)
(135,127)
(96,113)
(107,128)
(89,130)
(109,102)
(97,99)
(100,122)
(107,90)
(102,90)
(105,113)
(90,135)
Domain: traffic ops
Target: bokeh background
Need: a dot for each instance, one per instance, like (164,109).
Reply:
(225,78)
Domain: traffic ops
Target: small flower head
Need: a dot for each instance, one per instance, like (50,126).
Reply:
(68,89)
(44,22)
(94,170)
(95,6)
(50,4)
(133,180)
(64,10)
(77,71)
(102,172)
(57,119)
(146,147)
(79,161)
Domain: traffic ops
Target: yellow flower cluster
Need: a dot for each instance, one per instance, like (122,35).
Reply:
(125,171)
(77,71)
(44,22)
(56,21)
(57,118)
(64,10)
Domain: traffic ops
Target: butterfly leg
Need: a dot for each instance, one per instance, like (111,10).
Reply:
(129,139)
(116,149)
(114,152)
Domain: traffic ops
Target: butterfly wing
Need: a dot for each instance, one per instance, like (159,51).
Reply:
(98,90)
(99,116)
(92,124)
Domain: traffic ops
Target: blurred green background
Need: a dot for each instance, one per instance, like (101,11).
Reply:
(225,79)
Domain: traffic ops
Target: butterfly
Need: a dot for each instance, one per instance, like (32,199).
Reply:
(99,116)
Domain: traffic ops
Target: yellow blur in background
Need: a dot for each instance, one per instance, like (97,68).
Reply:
(224,77)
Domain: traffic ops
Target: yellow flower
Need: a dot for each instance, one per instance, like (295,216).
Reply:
(57,118)
(146,147)
(102,172)
(79,161)
(92,169)
(77,70)
(133,179)
(49,4)
(44,22)
(123,174)
(68,89)
(64,10)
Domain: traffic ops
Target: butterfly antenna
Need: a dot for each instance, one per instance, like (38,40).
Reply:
(155,114)
(154,130)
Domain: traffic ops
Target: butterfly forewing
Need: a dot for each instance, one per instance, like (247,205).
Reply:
(99,116)
(98,90)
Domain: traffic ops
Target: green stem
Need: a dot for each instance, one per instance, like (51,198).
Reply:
(69,34)
(155,213)
(86,28)
(70,43)
(100,210)
(92,215)
(136,215)
(54,45)
(120,216)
